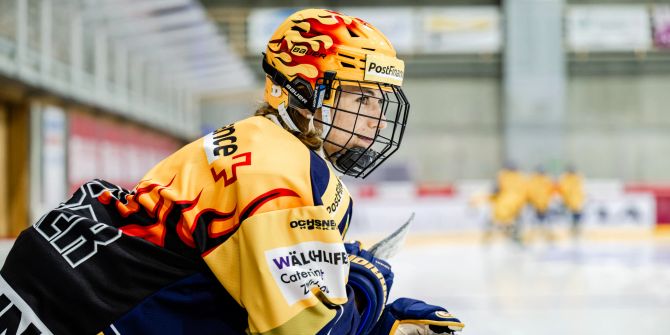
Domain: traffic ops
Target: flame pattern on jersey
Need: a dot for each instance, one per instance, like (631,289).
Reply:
(185,243)
(161,220)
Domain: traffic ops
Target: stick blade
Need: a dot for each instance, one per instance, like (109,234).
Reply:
(390,245)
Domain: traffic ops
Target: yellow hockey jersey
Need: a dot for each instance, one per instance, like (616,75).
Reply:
(571,189)
(510,198)
(240,231)
(540,191)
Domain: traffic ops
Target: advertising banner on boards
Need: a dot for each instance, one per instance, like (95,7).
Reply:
(593,28)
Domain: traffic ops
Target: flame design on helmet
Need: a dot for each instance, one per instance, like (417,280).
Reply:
(294,37)
(313,41)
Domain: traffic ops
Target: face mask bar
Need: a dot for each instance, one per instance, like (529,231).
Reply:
(358,136)
(363,126)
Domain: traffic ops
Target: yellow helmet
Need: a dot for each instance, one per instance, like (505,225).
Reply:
(316,52)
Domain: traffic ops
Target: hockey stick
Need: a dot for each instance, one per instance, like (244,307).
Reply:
(390,245)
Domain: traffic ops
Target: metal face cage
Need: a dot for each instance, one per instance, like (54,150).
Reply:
(363,126)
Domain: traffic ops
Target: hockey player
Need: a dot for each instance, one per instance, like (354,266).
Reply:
(504,215)
(541,190)
(513,182)
(241,231)
(571,189)
(507,201)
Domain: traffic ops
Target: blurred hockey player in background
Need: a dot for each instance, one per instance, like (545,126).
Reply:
(511,180)
(541,190)
(241,231)
(508,200)
(571,190)
(504,215)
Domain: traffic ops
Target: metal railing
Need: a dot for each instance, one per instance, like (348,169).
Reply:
(120,56)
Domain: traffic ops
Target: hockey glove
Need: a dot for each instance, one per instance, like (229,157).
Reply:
(407,316)
(371,279)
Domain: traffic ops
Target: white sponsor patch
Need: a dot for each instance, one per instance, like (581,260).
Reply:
(209,147)
(384,69)
(19,309)
(300,268)
(219,143)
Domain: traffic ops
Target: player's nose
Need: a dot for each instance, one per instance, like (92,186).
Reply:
(377,118)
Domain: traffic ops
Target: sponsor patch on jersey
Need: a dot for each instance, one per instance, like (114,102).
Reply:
(311,224)
(384,69)
(220,143)
(300,268)
(336,197)
(17,316)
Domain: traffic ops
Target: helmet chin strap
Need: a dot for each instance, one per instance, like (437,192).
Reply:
(286,118)
(311,123)
(325,121)
(274,119)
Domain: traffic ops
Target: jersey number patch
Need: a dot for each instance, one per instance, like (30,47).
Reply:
(73,236)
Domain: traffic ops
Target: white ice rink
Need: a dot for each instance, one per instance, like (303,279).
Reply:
(571,287)
(583,287)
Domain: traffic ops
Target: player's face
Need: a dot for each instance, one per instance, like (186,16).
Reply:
(357,118)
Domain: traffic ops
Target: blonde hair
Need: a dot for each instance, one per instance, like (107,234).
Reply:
(310,138)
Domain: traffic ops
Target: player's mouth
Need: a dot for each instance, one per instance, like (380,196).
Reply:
(366,140)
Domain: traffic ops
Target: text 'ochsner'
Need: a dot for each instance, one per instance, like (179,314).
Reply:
(312,224)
